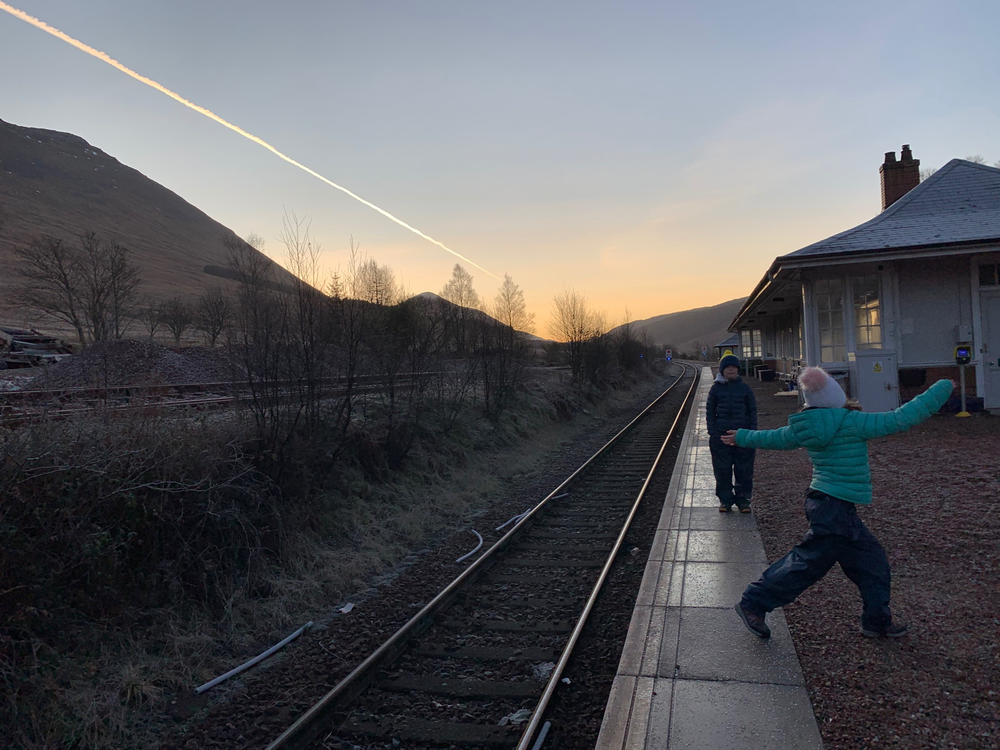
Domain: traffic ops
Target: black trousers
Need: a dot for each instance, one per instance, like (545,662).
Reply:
(836,535)
(729,461)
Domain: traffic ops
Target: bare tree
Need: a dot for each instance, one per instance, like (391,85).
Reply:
(629,350)
(375,284)
(151,317)
(52,273)
(212,314)
(177,317)
(460,292)
(93,287)
(574,323)
(109,286)
(510,309)
(502,347)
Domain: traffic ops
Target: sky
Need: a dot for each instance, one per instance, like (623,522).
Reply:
(650,156)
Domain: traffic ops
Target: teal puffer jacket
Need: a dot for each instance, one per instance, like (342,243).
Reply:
(837,440)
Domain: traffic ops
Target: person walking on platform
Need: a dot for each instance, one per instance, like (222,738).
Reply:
(836,436)
(731,406)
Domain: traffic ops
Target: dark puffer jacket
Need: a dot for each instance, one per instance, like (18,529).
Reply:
(731,406)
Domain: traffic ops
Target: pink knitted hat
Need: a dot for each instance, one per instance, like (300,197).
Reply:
(820,390)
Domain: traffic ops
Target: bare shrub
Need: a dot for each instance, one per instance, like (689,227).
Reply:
(108,516)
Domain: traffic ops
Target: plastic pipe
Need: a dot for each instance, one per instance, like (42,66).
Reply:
(470,554)
(259,657)
(541,736)
(515,518)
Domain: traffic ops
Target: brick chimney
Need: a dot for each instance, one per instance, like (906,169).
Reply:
(898,177)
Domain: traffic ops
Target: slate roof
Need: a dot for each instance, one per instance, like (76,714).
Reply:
(960,203)
(733,340)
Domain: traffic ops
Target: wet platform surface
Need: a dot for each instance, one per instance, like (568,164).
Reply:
(691,676)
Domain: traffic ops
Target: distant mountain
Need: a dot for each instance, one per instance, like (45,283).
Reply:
(58,184)
(689,330)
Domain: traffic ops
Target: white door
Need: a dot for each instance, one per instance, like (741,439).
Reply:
(989,305)
(878,389)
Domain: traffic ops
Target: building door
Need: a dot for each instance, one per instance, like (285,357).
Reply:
(878,388)
(989,304)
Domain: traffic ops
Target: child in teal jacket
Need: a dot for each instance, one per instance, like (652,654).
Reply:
(836,439)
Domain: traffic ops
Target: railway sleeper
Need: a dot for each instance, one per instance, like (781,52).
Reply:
(454,687)
(522,579)
(491,600)
(440,733)
(563,547)
(489,653)
(530,562)
(576,535)
(506,626)
(608,505)
(547,521)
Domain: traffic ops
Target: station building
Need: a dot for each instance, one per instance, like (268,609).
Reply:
(883,306)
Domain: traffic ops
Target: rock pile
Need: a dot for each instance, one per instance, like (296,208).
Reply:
(128,362)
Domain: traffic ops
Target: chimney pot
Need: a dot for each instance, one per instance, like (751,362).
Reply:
(898,177)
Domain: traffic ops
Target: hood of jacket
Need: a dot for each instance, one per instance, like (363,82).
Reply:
(815,428)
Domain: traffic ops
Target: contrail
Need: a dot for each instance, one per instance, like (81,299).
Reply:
(235,128)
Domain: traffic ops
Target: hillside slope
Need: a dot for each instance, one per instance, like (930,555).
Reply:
(58,184)
(689,330)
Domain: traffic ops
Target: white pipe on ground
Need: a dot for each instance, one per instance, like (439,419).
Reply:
(470,554)
(259,657)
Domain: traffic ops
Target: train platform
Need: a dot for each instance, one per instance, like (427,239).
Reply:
(691,676)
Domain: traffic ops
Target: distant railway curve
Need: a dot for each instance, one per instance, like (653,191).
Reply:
(464,671)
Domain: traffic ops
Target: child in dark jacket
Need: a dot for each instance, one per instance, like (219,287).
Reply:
(837,440)
(731,406)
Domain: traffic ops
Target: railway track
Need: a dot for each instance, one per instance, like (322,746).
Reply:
(478,666)
(17,407)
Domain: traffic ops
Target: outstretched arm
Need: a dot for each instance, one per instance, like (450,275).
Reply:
(909,414)
(782,439)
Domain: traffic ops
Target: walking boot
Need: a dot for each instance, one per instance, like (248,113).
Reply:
(755,623)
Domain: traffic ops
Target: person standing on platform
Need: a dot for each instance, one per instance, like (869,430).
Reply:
(836,436)
(731,406)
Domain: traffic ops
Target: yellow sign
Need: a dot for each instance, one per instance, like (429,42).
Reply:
(877,367)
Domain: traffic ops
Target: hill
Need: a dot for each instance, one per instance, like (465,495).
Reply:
(689,330)
(58,184)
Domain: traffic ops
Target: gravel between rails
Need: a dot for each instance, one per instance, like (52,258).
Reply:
(936,496)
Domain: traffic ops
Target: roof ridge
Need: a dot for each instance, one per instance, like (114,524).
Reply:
(889,214)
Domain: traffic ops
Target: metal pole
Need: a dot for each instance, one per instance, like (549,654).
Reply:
(961,380)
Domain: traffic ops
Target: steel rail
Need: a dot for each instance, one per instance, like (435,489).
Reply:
(536,717)
(308,726)
(14,415)
(111,391)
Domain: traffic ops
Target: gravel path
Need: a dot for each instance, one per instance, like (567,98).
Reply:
(936,491)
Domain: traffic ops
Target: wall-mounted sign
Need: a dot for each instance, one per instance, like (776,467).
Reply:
(877,367)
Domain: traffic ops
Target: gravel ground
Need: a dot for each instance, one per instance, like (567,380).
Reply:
(936,490)
(131,362)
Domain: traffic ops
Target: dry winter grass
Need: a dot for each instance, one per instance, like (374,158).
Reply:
(936,494)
